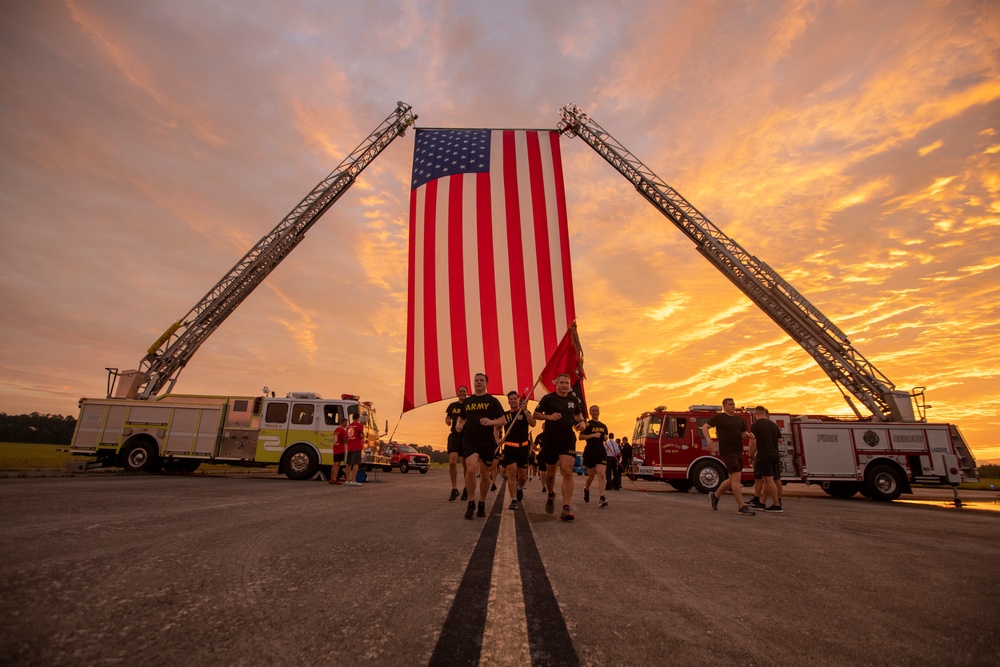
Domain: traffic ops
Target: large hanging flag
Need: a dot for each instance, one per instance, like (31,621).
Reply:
(490,286)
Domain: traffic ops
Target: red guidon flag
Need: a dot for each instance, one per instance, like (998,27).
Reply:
(490,286)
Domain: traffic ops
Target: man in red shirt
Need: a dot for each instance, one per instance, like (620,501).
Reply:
(339,451)
(355,445)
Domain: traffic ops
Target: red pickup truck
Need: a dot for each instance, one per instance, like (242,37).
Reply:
(407,458)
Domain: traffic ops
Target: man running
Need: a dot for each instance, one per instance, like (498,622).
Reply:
(455,442)
(516,448)
(481,415)
(561,412)
(593,455)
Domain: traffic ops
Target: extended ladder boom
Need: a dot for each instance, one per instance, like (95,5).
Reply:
(167,356)
(827,344)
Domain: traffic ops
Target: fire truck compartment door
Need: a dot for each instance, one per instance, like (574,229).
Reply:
(828,450)
(193,430)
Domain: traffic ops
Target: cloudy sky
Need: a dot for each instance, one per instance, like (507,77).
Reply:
(853,146)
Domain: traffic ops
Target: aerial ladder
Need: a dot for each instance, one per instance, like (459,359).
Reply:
(828,345)
(166,357)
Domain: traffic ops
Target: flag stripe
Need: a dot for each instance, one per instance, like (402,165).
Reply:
(489,277)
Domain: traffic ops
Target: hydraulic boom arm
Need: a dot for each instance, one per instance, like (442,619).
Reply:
(828,345)
(167,356)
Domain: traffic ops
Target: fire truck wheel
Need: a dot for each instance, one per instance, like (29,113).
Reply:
(140,457)
(423,471)
(301,462)
(884,483)
(707,476)
(682,485)
(404,467)
(386,468)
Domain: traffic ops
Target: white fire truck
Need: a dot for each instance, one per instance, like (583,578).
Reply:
(138,429)
(879,459)
(879,455)
(180,432)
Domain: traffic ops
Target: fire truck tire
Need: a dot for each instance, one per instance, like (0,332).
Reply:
(841,489)
(682,485)
(404,467)
(386,468)
(423,471)
(707,476)
(301,462)
(140,457)
(884,483)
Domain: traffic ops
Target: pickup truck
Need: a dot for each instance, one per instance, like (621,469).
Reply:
(407,458)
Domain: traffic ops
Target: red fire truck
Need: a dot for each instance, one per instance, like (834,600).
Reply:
(880,460)
(879,455)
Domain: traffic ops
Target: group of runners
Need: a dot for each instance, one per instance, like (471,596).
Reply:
(482,431)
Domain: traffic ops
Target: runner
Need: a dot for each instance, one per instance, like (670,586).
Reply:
(560,411)
(594,458)
(481,415)
(516,448)
(455,442)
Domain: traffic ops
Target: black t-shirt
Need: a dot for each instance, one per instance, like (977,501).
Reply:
(767,434)
(568,406)
(729,430)
(475,408)
(518,431)
(454,411)
(594,426)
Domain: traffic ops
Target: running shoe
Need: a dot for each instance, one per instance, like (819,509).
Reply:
(746,511)
(493,487)
(520,495)
(566,515)
(550,504)
(603,503)
(757,505)
(465,494)
(586,495)
(481,512)
(470,510)
(513,504)
(334,481)
(774,509)
(715,501)
(454,495)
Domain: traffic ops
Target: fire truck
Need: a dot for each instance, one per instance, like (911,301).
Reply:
(179,432)
(878,459)
(140,430)
(879,455)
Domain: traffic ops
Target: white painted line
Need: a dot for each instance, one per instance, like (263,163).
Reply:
(505,637)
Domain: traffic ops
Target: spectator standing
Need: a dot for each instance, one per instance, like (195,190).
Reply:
(731,431)
(355,445)
(339,453)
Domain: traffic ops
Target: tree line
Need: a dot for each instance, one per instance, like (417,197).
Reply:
(37,428)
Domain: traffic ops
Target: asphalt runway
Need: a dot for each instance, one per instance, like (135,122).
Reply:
(256,569)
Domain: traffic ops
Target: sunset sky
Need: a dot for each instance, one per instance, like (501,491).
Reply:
(852,145)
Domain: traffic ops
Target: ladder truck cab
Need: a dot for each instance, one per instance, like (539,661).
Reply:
(180,432)
(140,430)
(881,460)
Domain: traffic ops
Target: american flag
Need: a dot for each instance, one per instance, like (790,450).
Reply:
(490,286)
